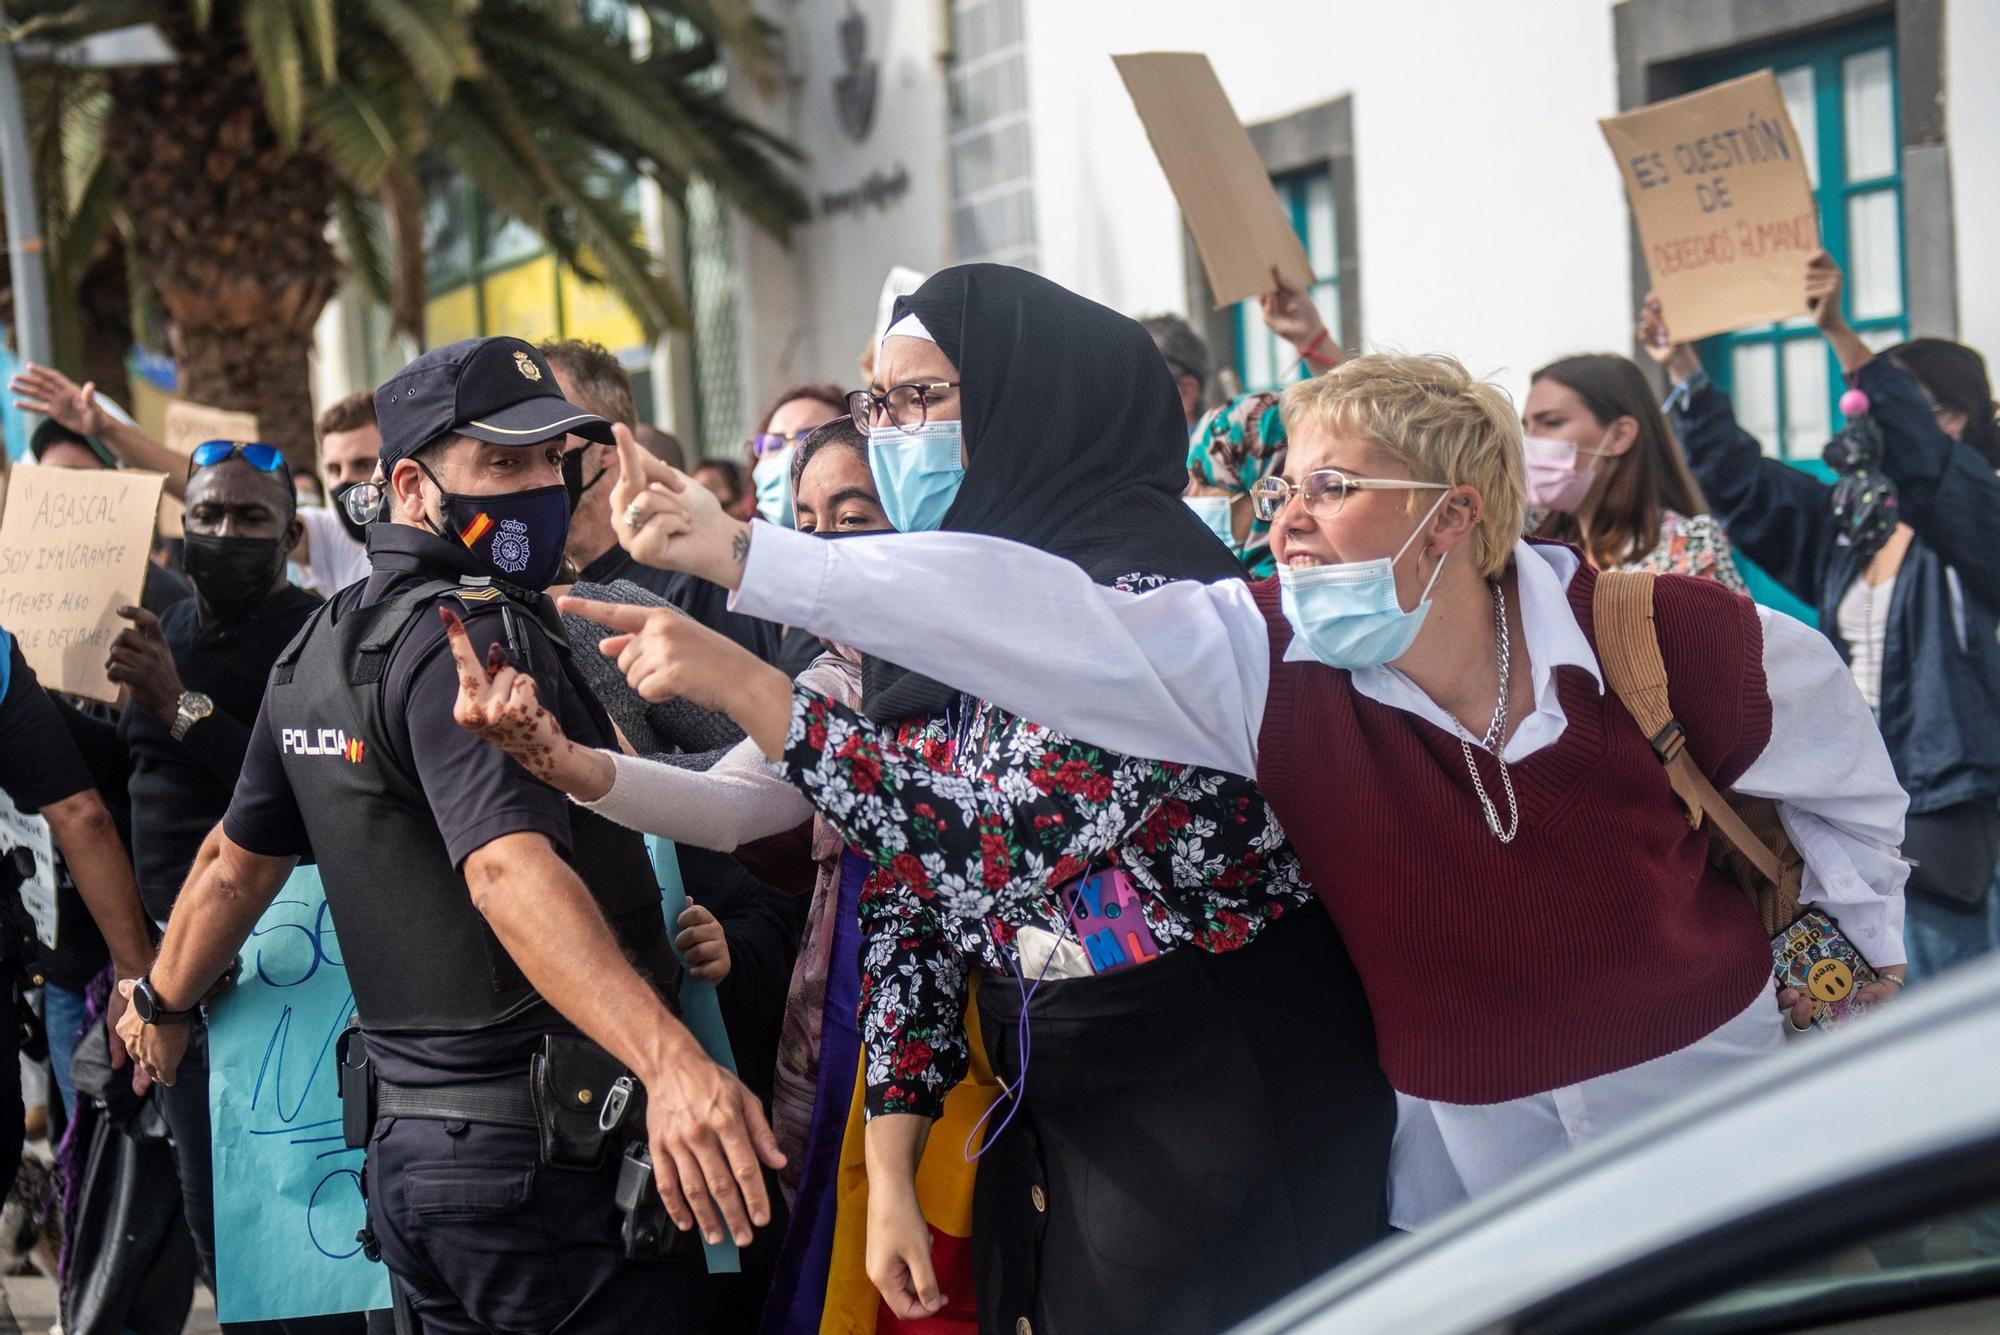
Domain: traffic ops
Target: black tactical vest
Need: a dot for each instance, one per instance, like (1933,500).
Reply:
(419,956)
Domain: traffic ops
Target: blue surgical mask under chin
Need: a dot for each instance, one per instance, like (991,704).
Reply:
(1214,511)
(917,473)
(1348,614)
(772,476)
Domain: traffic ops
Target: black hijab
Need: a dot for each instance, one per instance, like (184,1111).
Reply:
(1076,440)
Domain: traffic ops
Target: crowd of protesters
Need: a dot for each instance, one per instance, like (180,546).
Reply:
(1165,808)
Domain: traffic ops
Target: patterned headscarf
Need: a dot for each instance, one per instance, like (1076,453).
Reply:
(1235,447)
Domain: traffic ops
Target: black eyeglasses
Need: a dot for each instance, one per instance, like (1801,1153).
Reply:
(263,458)
(907,407)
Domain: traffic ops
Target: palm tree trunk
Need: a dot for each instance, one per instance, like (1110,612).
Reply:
(229,226)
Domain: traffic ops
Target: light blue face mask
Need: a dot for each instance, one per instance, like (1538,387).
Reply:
(1214,511)
(917,473)
(1348,614)
(772,476)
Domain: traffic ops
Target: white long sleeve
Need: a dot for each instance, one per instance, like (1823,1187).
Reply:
(1835,786)
(1179,673)
(741,797)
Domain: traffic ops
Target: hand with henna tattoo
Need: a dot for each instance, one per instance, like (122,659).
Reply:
(500,703)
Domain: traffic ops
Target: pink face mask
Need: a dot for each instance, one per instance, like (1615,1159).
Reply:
(1555,479)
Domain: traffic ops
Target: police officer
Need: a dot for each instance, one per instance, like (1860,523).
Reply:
(483,921)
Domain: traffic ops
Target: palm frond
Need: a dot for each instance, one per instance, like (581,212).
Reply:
(274,46)
(322,40)
(361,248)
(433,38)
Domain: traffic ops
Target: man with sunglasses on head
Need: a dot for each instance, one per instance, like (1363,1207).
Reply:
(518,1061)
(194,677)
(85,430)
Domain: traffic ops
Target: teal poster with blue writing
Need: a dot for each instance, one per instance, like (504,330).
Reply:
(287,1190)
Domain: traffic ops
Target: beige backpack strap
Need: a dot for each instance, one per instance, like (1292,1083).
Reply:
(1628,649)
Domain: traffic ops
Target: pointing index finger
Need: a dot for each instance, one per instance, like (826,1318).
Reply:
(618,616)
(470,670)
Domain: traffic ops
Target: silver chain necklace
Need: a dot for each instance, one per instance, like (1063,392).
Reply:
(1496,731)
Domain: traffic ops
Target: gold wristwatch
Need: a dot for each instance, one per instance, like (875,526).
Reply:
(193,708)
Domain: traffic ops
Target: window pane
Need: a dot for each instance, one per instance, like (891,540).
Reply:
(1806,406)
(1874,256)
(1753,384)
(1320,237)
(1867,99)
(1797,87)
(1886,337)
(1258,371)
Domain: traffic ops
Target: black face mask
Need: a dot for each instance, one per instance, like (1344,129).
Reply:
(232,575)
(518,535)
(358,532)
(572,476)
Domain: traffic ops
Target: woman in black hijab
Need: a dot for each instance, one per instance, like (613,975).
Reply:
(1195,1122)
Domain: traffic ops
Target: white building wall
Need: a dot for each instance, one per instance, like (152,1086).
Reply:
(806,315)
(1972,126)
(1492,223)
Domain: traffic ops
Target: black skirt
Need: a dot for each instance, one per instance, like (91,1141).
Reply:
(1200,1136)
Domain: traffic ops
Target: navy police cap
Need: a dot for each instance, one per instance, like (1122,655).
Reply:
(497,389)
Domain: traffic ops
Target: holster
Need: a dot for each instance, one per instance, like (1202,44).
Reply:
(644,1225)
(569,1080)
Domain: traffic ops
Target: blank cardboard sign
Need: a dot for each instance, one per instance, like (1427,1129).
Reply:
(1719,190)
(1225,194)
(190,424)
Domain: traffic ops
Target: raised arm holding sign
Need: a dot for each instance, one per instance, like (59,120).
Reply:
(1225,194)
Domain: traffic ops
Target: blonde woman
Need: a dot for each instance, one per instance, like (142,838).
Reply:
(1545,950)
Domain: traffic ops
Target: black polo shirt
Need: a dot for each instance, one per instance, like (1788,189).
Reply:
(477,793)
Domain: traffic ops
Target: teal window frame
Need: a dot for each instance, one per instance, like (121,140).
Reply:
(1824,55)
(1292,188)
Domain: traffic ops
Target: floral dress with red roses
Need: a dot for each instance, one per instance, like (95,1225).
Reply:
(975,822)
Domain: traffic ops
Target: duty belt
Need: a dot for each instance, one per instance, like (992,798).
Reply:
(492,1102)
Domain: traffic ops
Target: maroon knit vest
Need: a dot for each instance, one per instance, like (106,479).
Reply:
(1599,938)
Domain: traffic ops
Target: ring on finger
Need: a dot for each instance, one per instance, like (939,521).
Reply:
(634,513)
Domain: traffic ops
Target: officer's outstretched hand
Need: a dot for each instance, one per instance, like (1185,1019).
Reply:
(710,1143)
(666,654)
(666,519)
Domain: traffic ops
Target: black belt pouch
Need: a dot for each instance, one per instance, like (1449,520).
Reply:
(569,1078)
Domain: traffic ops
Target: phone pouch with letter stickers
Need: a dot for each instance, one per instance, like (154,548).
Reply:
(1109,921)
(1813,956)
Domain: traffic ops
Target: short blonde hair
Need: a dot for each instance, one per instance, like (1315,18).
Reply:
(1436,419)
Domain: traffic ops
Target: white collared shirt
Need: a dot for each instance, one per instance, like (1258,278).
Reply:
(1182,672)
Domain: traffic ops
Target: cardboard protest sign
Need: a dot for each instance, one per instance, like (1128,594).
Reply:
(73,549)
(189,424)
(287,1189)
(1239,227)
(1720,192)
